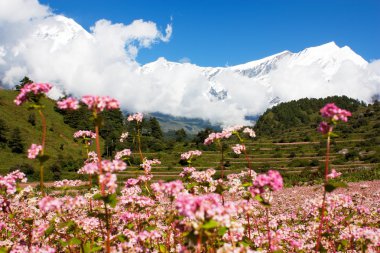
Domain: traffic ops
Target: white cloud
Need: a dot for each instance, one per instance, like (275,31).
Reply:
(52,48)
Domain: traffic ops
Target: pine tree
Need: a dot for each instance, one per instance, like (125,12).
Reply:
(15,142)
(155,128)
(3,131)
(23,82)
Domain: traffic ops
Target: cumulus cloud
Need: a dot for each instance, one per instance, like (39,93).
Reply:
(49,47)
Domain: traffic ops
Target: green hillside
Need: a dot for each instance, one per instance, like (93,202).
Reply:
(65,154)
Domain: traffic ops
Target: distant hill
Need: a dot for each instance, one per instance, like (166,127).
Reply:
(297,120)
(65,154)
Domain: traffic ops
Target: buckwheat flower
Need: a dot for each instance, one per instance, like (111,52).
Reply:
(84,134)
(68,104)
(147,164)
(9,181)
(49,204)
(34,150)
(238,148)
(125,152)
(35,88)
(271,180)
(89,168)
(114,166)
(92,157)
(335,113)
(137,116)
(68,183)
(172,188)
(109,181)
(100,103)
(334,174)
(186,171)
(190,154)
(250,132)
(131,182)
(324,127)
(124,136)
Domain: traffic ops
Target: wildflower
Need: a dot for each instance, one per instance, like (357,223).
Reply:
(34,150)
(147,164)
(190,154)
(238,148)
(124,136)
(324,127)
(250,132)
(335,113)
(109,181)
(334,174)
(89,168)
(35,88)
(137,116)
(272,181)
(49,203)
(68,104)
(100,103)
(84,134)
(125,152)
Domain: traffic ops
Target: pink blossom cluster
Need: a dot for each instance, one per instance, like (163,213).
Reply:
(90,168)
(238,148)
(34,150)
(172,188)
(68,183)
(147,164)
(109,180)
(92,157)
(98,103)
(35,88)
(124,136)
(125,152)
(217,136)
(190,154)
(84,134)
(137,116)
(68,104)
(335,113)
(113,166)
(8,182)
(186,171)
(334,174)
(250,132)
(271,180)
(50,204)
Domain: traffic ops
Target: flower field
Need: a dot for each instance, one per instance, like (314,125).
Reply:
(241,212)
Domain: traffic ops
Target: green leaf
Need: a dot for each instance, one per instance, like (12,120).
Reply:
(49,230)
(97,196)
(190,185)
(210,224)
(75,241)
(222,231)
(247,184)
(121,238)
(260,199)
(29,221)
(111,200)
(331,186)
(3,250)
(150,228)
(163,248)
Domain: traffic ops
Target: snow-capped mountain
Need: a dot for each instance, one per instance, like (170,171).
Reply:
(56,49)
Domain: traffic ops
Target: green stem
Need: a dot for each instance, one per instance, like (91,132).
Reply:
(139,142)
(43,122)
(323,208)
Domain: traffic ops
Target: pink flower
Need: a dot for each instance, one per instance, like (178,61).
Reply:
(324,127)
(49,203)
(125,152)
(137,116)
(8,182)
(335,113)
(190,154)
(35,88)
(67,183)
(100,103)
(147,164)
(84,134)
(334,174)
(68,104)
(238,149)
(89,168)
(272,181)
(34,150)
(109,181)
(250,132)
(124,136)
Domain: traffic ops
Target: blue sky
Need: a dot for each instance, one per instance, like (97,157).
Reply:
(230,32)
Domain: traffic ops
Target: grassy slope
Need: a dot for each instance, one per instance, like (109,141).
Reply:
(58,133)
